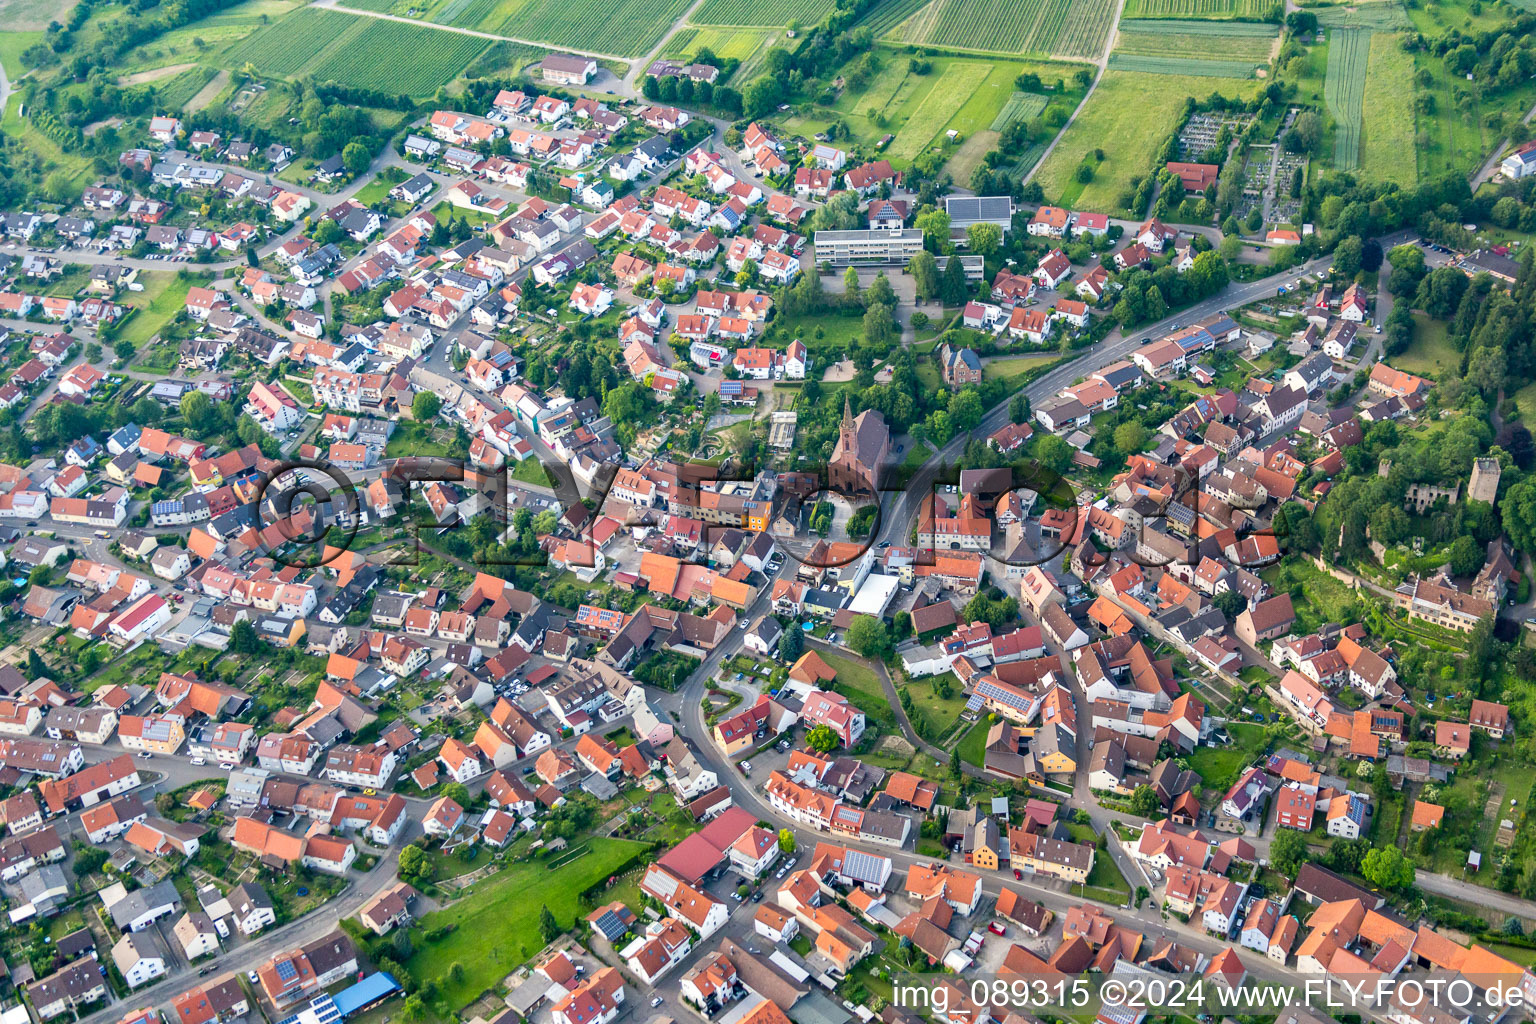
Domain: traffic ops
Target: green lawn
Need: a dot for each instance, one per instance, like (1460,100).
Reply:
(859,684)
(935,716)
(530,471)
(1019,370)
(442,211)
(164,295)
(973,746)
(412,438)
(12,46)
(1431,353)
(495,927)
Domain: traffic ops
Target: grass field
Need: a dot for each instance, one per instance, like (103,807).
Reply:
(76,165)
(861,686)
(174,93)
(919,109)
(621,27)
(1218,9)
(1073,28)
(1385,16)
(1388,129)
(1431,353)
(12,46)
(1349,52)
(1138,113)
(164,295)
(1195,68)
(497,928)
(745,44)
(758,12)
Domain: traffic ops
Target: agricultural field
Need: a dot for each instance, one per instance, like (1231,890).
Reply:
(1349,51)
(1246,41)
(1181,66)
(1136,111)
(1242,10)
(1384,16)
(285,47)
(410,59)
(1069,28)
(1388,129)
(359,51)
(202,40)
(1021,106)
(176,92)
(771,13)
(620,27)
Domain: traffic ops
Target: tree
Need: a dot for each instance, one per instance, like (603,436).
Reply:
(356,158)
(1387,867)
(1289,852)
(1018,408)
(414,866)
(821,738)
(1130,437)
(1306,131)
(1230,603)
(851,284)
(934,224)
(414,1008)
(1441,292)
(1347,256)
(984,238)
(197,409)
(456,792)
(548,926)
(791,644)
(243,638)
(1144,801)
(1466,556)
(925,276)
(1053,453)
(953,288)
(868,636)
(425,406)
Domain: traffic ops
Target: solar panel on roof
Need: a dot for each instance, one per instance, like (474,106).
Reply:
(286,971)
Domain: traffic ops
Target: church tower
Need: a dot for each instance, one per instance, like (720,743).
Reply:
(848,431)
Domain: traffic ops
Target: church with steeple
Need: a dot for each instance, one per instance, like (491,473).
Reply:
(863,447)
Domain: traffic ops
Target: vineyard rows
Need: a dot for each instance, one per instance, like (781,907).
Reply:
(761,12)
(1241,9)
(1196,46)
(1021,106)
(1349,52)
(402,58)
(607,26)
(883,18)
(1197,28)
(467,13)
(1181,66)
(1086,29)
(1068,27)
(287,45)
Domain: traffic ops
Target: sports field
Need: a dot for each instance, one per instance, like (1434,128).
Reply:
(1069,28)
(1138,112)
(1388,129)
(620,27)
(1349,52)
(1218,9)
